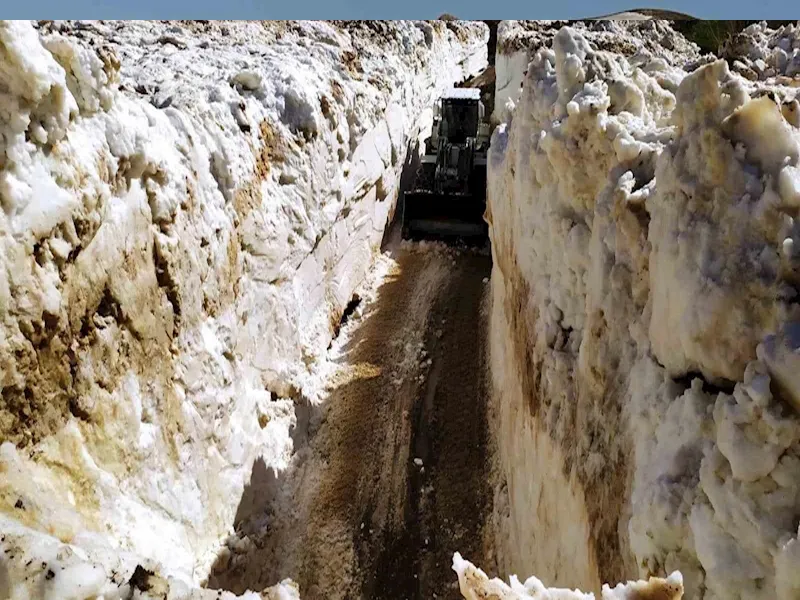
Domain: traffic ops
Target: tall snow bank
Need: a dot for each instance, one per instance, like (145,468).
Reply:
(643,329)
(640,40)
(186,210)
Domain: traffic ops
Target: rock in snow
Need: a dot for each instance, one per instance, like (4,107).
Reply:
(644,325)
(187,208)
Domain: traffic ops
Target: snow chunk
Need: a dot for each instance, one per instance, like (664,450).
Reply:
(475,584)
(36,99)
(787,569)
(789,186)
(767,137)
(249,80)
(751,432)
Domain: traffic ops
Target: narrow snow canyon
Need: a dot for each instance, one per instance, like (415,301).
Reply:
(224,375)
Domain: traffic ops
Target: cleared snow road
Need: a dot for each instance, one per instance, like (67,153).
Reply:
(396,473)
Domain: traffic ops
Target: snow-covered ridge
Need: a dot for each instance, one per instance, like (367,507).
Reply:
(187,209)
(641,40)
(644,324)
(758,52)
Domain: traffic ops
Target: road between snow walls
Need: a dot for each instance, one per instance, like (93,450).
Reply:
(187,210)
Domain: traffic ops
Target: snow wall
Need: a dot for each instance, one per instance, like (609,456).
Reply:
(644,326)
(187,208)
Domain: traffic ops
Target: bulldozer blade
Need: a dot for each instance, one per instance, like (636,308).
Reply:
(420,229)
(444,217)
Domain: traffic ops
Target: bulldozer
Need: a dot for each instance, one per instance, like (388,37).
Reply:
(448,197)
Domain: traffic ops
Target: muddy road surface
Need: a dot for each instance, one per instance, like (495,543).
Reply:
(393,475)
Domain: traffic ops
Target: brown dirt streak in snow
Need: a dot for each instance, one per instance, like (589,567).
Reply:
(104,330)
(577,431)
(50,387)
(248,197)
(46,392)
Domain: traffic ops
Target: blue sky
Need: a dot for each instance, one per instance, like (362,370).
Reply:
(378,9)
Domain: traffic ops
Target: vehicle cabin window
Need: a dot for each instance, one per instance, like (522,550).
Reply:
(461,120)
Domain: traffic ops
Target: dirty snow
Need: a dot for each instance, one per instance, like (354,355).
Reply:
(644,321)
(187,210)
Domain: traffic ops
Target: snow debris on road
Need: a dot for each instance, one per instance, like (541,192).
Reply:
(475,584)
(37,566)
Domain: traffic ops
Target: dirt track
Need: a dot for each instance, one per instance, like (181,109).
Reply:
(361,518)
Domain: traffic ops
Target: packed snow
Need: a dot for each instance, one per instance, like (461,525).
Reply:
(644,316)
(650,44)
(187,210)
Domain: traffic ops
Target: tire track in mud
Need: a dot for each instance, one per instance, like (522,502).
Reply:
(365,436)
(358,518)
(382,525)
(447,496)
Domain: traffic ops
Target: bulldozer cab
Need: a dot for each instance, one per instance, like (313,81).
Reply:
(460,118)
(449,194)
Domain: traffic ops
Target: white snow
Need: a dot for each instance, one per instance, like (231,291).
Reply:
(651,45)
(463,93)
(188,207)
(643,328)
(475,584)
